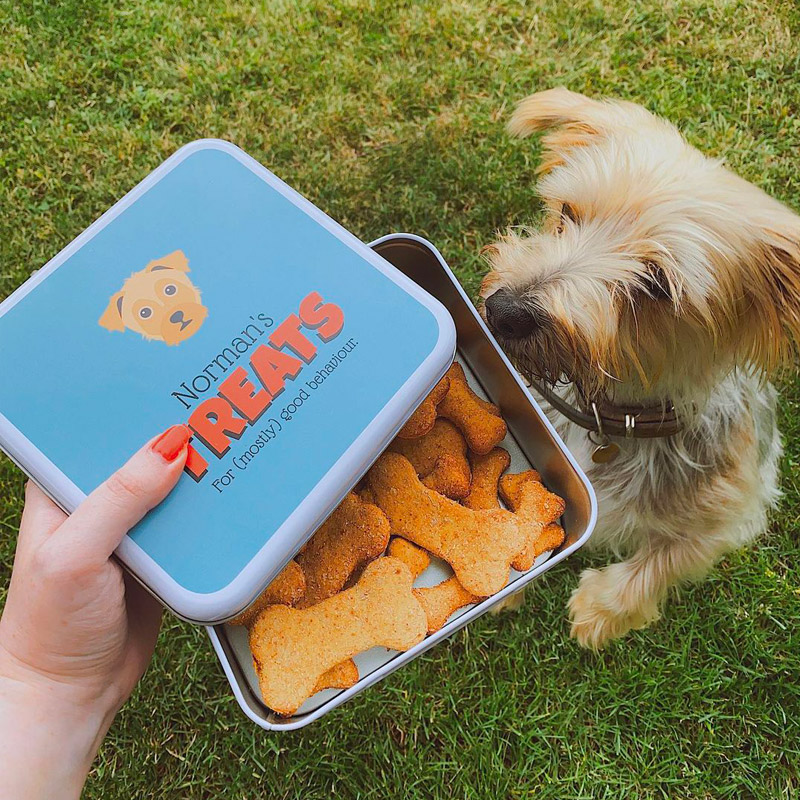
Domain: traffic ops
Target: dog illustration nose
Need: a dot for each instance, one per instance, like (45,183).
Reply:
(176,317)
(508,316)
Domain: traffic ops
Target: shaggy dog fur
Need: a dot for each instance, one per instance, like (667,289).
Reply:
(658,276)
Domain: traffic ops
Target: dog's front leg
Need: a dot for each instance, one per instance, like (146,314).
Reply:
(611,601)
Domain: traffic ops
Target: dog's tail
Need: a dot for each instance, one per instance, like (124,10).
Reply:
(574,120)
(543,110)
(561,108)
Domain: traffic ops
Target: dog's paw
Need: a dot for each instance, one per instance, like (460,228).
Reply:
(513,602)
(603,608)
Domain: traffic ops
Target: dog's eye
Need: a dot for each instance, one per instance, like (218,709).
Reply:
(170,289)
(656,283)
(145,312)
(567,213)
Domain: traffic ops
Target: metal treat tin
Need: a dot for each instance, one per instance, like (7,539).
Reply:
(532,442)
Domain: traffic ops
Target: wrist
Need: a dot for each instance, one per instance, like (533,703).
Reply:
(50,730)
(88,696)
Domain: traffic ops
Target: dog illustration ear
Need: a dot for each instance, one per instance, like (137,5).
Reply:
(175,260)
(112,316)
(573,121)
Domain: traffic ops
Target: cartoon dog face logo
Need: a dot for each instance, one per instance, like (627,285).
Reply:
(158,302)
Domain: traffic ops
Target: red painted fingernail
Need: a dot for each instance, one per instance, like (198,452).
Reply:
(172,442)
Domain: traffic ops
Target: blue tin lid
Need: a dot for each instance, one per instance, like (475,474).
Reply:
(214,294)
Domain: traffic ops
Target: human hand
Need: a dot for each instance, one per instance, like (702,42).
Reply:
(77,632)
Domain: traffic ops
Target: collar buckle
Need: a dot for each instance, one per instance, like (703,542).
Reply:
(630,422)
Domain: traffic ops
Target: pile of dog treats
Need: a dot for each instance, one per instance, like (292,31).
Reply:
(435,491)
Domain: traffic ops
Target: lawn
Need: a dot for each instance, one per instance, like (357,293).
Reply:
(389,115)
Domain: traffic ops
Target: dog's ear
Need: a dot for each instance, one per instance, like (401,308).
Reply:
(572,119)
(112,316)
(175,260)
(772,320)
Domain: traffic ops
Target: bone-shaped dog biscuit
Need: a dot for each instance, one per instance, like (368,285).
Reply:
(352,536)
(415,558)
(440,458)
(526,496)
(509,485)
(292,648)
(478,420)
(478,545)
(364,492)
(551,537)
(439,601)
(287,589)
(355,533)
(442,600)
(486,472)
(422,420)
(342,676)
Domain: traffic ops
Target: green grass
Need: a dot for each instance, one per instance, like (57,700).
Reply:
(389,115)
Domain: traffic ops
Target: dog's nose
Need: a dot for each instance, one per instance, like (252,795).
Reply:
(176,317)
(508,316)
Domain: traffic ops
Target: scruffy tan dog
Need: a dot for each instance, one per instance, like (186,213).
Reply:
(159,302)
(661,289)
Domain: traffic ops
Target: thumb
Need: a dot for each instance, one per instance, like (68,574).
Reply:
(96,527)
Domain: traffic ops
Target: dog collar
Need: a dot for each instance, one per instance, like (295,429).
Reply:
(605,419)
